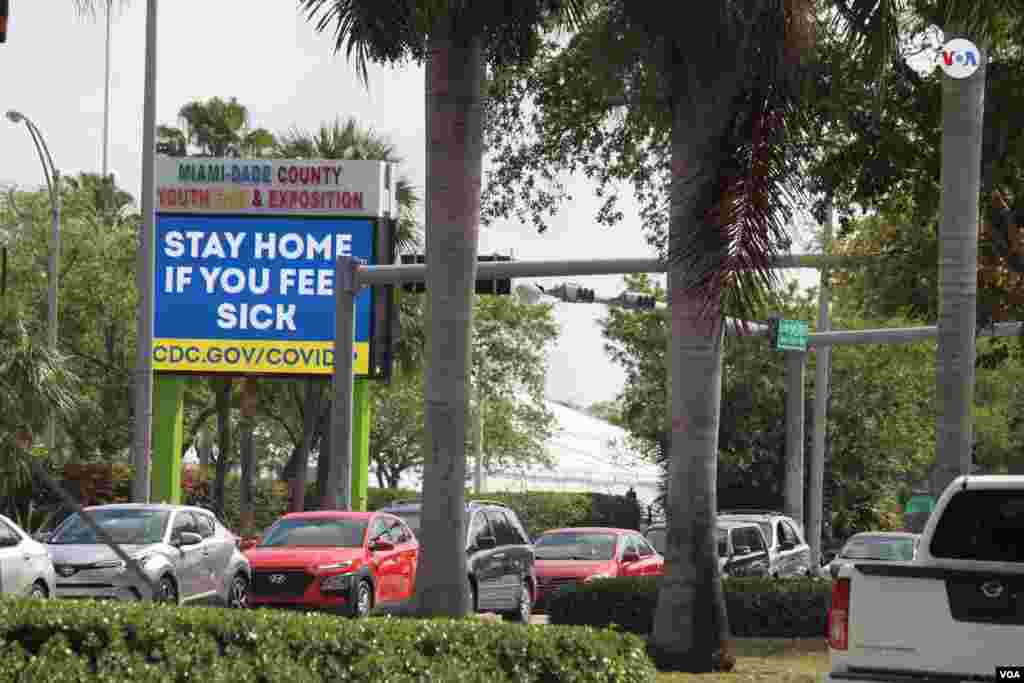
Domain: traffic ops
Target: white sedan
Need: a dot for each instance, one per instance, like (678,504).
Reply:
(25,567)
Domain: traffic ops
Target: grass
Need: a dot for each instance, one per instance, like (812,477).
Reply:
(796,660)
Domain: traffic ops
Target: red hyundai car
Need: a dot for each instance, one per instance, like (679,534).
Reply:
(347,562)
(569,556)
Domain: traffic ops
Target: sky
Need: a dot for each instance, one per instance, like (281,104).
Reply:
(287,75)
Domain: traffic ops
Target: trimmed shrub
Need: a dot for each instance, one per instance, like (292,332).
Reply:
(757,607)
(89,641)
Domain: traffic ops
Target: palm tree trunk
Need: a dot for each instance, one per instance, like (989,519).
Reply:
(963,107)
(224,444)
(454,87)
(300,472)
(690,624)
(247,511)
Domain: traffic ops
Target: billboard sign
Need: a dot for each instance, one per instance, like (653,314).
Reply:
(250,290)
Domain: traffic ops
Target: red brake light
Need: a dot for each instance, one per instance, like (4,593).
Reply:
(839,615)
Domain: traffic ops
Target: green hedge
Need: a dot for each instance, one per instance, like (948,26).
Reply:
(757,608)
(57,641)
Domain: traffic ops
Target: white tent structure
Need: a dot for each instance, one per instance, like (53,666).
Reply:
(588,455)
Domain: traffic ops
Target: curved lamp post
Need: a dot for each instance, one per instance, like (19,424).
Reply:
(52,176)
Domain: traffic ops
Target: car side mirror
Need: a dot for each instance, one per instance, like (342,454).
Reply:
(787,545)
(247,543)
(42,536)
(630,556)
(742,550)
(187,538)
(486,543)
(381,546)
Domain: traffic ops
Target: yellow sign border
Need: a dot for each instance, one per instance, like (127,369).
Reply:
(253,356)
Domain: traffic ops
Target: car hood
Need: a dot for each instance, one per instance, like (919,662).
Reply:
(579,569)
(297,557)
(94,552)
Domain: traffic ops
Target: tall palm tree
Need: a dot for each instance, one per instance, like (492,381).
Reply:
(456,41)
(340,140)
(214,128)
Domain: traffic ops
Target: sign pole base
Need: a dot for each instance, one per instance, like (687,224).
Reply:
(360,443)
(168,441)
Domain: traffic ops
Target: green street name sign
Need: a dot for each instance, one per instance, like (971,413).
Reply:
(791,335)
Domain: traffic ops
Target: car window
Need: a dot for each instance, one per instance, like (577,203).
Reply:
(722,542)
(8,536)
(575,545)
(780,532)
(657,539)
(628,546)
(504,533)
(766,527)
(746,537)
(183,522)
(412,518)
(315,532)
(129,526)
(478,528)
(756,540)
(379,530)
(642,547)
(206,525)
(791,533)
(404,533)
(984,525)
(524,538)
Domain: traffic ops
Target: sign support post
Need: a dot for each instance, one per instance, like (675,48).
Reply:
(339,465)
(360,443)
(168,419)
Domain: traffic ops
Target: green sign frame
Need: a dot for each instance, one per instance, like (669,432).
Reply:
(791,335)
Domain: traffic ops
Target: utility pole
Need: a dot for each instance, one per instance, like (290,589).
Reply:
(794,486)
(819,419)
(143,379)
(106,95)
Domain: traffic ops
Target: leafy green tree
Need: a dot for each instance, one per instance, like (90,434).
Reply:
(456,42)
(97,300)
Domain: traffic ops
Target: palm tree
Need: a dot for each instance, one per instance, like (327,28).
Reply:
(340,140)
(456,41)
(215,128)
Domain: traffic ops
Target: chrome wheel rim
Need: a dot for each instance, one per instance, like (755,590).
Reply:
(525,606)
(363,600)
(37,592)
(239,593)
(167,593)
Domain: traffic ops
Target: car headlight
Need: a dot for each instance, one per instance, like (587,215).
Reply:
(337,582)
(594,577)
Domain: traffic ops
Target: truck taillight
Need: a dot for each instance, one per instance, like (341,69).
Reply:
(839,615)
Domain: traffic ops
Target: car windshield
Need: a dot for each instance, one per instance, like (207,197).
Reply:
(318,532)
(878,548)
(130,527)
(568,545)
(656,537)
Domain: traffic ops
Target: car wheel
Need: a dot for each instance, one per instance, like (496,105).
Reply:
(524,606)
(166,591)
(362,601)
(238,593)
(38,591)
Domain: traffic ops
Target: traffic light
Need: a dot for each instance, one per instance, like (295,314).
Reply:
(573,294)
(497,287)
(637,301)
(5,11)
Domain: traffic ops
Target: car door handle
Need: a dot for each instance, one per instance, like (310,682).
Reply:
(499,556)
(26,557)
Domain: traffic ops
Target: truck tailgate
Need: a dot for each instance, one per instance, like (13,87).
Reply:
(916,619)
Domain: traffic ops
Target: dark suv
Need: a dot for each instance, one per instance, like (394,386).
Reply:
(500,560)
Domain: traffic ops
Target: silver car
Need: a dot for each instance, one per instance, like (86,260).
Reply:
(25,567)
(875,546)
(186,553)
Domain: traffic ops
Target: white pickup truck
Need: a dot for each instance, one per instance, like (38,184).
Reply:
(954,613)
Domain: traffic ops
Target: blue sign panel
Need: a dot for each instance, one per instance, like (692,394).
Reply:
(254,294)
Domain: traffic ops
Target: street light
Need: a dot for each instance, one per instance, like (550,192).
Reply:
(52,176)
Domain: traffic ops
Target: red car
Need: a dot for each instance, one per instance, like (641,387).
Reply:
(569,556)
(347,562)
